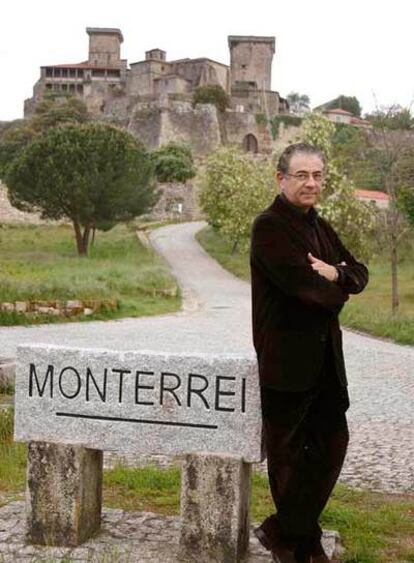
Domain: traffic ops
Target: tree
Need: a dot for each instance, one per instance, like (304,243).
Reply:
(393,117)
(348,103)
(298,103)
(95,175)
(351,218)
(50,112)
(395,162)
(352,151)
(235,188)
(174,163)
(13,139)
(213,94)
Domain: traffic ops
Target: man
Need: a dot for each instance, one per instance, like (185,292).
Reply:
(301,277)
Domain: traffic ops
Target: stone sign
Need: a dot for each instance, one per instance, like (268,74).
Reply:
(139,402)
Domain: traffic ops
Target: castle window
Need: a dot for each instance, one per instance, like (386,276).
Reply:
(56,72)
(71,87)
(48,86)
(80,72)
(72,72)
(244,67)
(49,72)
(64,71)
(113,73)
(98,72)
(56,86)
(79,88)
(64,86)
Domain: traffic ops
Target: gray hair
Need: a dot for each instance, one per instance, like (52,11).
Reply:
(302,148)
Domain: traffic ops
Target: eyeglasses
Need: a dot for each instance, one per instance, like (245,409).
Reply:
(305,176)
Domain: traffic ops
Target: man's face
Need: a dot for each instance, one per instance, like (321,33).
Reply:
(303,182)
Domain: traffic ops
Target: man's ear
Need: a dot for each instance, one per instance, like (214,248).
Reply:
(279,178)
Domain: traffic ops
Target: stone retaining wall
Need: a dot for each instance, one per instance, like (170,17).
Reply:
(55,308)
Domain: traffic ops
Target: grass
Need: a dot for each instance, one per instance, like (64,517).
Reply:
(41,263)
(375,527)
(369,312)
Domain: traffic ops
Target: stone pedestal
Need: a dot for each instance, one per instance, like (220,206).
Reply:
(215,499)
(64,494)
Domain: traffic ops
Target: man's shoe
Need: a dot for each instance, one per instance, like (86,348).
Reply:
(263,538)
(282,555)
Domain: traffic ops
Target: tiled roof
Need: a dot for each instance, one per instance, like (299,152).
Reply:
(82,65)
(339,111)
(372,194)
(359,121)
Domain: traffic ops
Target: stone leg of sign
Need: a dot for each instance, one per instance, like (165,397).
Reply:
(215,499)
(64,494)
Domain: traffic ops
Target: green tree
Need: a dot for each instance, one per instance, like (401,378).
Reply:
(49,112)
(95,175)
(298,103)
(352,150)
(394,117)
(354,220)
(235,188)
(174,162)
(213,94)
(348,103)
(13,139)
(394,157)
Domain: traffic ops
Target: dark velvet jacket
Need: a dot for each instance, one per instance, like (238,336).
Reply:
(295,309)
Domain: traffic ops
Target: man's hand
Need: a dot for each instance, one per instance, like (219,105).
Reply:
(326,270)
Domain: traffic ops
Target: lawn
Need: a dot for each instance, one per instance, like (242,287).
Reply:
(41,263)
(369,312)
(375,527)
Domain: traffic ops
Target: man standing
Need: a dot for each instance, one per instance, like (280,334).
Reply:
(301,277)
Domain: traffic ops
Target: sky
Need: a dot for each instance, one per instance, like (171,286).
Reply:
(324,48)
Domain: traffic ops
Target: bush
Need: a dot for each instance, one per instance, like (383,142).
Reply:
(211,95)
(174,163)
(292,120)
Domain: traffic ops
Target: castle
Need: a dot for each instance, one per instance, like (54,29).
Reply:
(153,98)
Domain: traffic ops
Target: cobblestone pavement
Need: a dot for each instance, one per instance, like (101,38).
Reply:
(126,537)
(216,319)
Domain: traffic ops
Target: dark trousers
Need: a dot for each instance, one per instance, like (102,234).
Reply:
(306,438)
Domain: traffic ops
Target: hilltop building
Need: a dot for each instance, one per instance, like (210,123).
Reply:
(153,97)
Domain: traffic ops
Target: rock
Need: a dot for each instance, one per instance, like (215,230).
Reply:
(21,306)
(64,494)
(215,497)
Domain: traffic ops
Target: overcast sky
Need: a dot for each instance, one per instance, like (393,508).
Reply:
(324,48)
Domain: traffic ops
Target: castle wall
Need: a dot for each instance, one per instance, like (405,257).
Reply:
(141,76)
(202,71)
(157,125)
(177,201)
(198,127)
(171,85)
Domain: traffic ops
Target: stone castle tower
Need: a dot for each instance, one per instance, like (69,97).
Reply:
(251,61)
(104,46)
